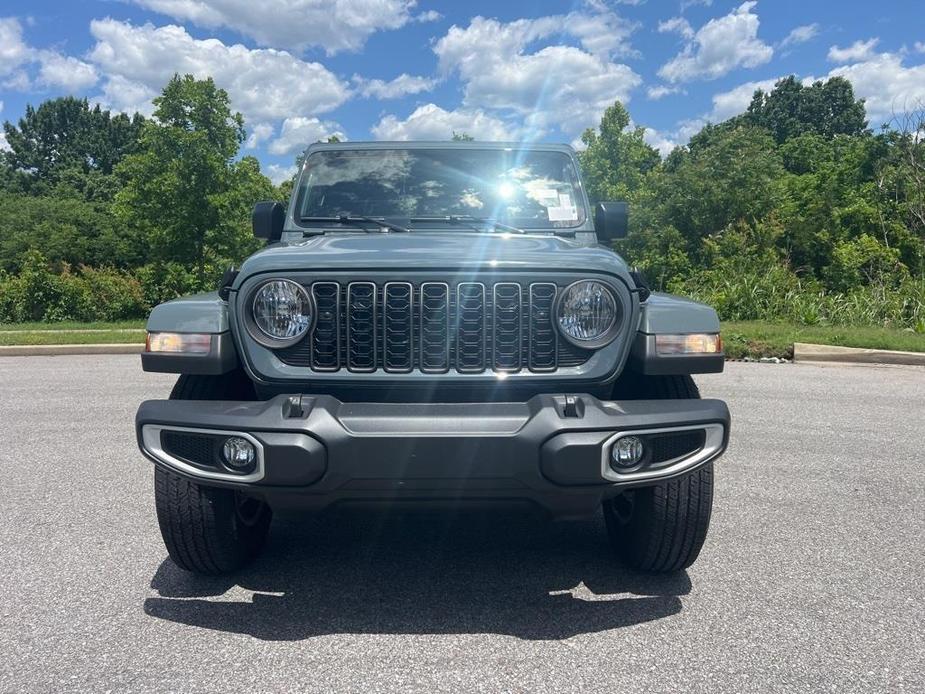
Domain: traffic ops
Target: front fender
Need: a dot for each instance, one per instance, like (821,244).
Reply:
(201,313)
(668,314)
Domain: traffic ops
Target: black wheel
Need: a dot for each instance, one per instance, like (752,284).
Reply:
(209,530)
(661,528)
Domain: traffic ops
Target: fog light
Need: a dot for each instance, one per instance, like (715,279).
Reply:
(239,453)
(626,452)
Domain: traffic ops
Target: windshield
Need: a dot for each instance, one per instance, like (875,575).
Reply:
(526,189)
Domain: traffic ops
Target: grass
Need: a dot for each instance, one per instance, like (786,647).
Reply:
(760,339)
(71,337)
(72,325)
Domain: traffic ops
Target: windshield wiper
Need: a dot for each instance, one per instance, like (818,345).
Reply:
(358,220)
(470,221)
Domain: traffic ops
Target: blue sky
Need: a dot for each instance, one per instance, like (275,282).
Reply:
(300,70)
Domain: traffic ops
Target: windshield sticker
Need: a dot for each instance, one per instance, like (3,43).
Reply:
(547,197)
(563,210)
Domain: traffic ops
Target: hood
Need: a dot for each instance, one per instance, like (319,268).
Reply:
(436,251)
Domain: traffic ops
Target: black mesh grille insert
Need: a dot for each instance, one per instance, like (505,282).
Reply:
(198,449)
(361,326)
(506,327)
(435,332)
(326,336)
(543,336)
(671,445)
(397,326)
(470,327)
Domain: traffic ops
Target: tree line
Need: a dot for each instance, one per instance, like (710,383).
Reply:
(793,210)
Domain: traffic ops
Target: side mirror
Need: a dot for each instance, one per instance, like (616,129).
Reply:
(267,220)
(611,220)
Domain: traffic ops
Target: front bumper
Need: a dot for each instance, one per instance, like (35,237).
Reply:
(552,450)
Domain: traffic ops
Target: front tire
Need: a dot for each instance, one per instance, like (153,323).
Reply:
(661,528)
(209,530)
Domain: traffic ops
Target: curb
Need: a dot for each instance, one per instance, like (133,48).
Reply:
(62,350)
(805,352)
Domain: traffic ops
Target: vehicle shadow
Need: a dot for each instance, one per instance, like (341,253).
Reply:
(422,573)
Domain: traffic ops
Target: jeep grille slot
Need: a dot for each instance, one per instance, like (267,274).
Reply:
(434,327)
(361,326)
(506,336)
(543,336)
(325,339)
(470,327)
(398,326)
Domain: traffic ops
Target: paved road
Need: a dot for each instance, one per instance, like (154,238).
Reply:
(811,579)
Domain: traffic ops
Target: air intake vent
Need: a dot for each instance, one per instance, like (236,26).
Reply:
(326,336)
(361,326)
(507,328)
(435,327)
(543,336)
(195,448)
(470,327)
(397,326)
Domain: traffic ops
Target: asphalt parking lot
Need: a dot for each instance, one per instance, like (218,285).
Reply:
(811,579)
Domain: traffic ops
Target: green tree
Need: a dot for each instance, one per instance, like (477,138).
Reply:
(183,189)
(825,108)
(67,140)
(616,160)
(730,175)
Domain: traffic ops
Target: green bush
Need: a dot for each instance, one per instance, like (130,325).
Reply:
(41,293)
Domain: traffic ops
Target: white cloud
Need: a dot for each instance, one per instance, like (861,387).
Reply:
(660,91)
(692,3)
(720,46)
(393,89)
(13,49)
(428,16)
(557,85)
(601,31)
(660,141)
(129,96)
(258,134)
(66,72)
(919,47)
(735,101)
(299,131)
(859,50)
(4,145)
(677,25)
(278,174)
(430,122)
(264,84)
(333,26)
(886,85)
(800,34)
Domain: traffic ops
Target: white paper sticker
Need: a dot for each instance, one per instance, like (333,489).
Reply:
(564,211)
(547,197)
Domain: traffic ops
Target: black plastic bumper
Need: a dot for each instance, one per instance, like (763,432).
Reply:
(551,450)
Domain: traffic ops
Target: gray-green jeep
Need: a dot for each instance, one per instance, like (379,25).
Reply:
(434,323)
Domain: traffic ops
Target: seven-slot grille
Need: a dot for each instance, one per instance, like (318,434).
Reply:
(471,327)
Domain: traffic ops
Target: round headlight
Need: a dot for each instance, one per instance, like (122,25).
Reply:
(587,314)
(282,312)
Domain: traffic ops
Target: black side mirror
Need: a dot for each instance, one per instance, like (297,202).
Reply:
(611,220)
(267,220)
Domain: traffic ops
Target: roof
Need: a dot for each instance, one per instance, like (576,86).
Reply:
(439,144)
